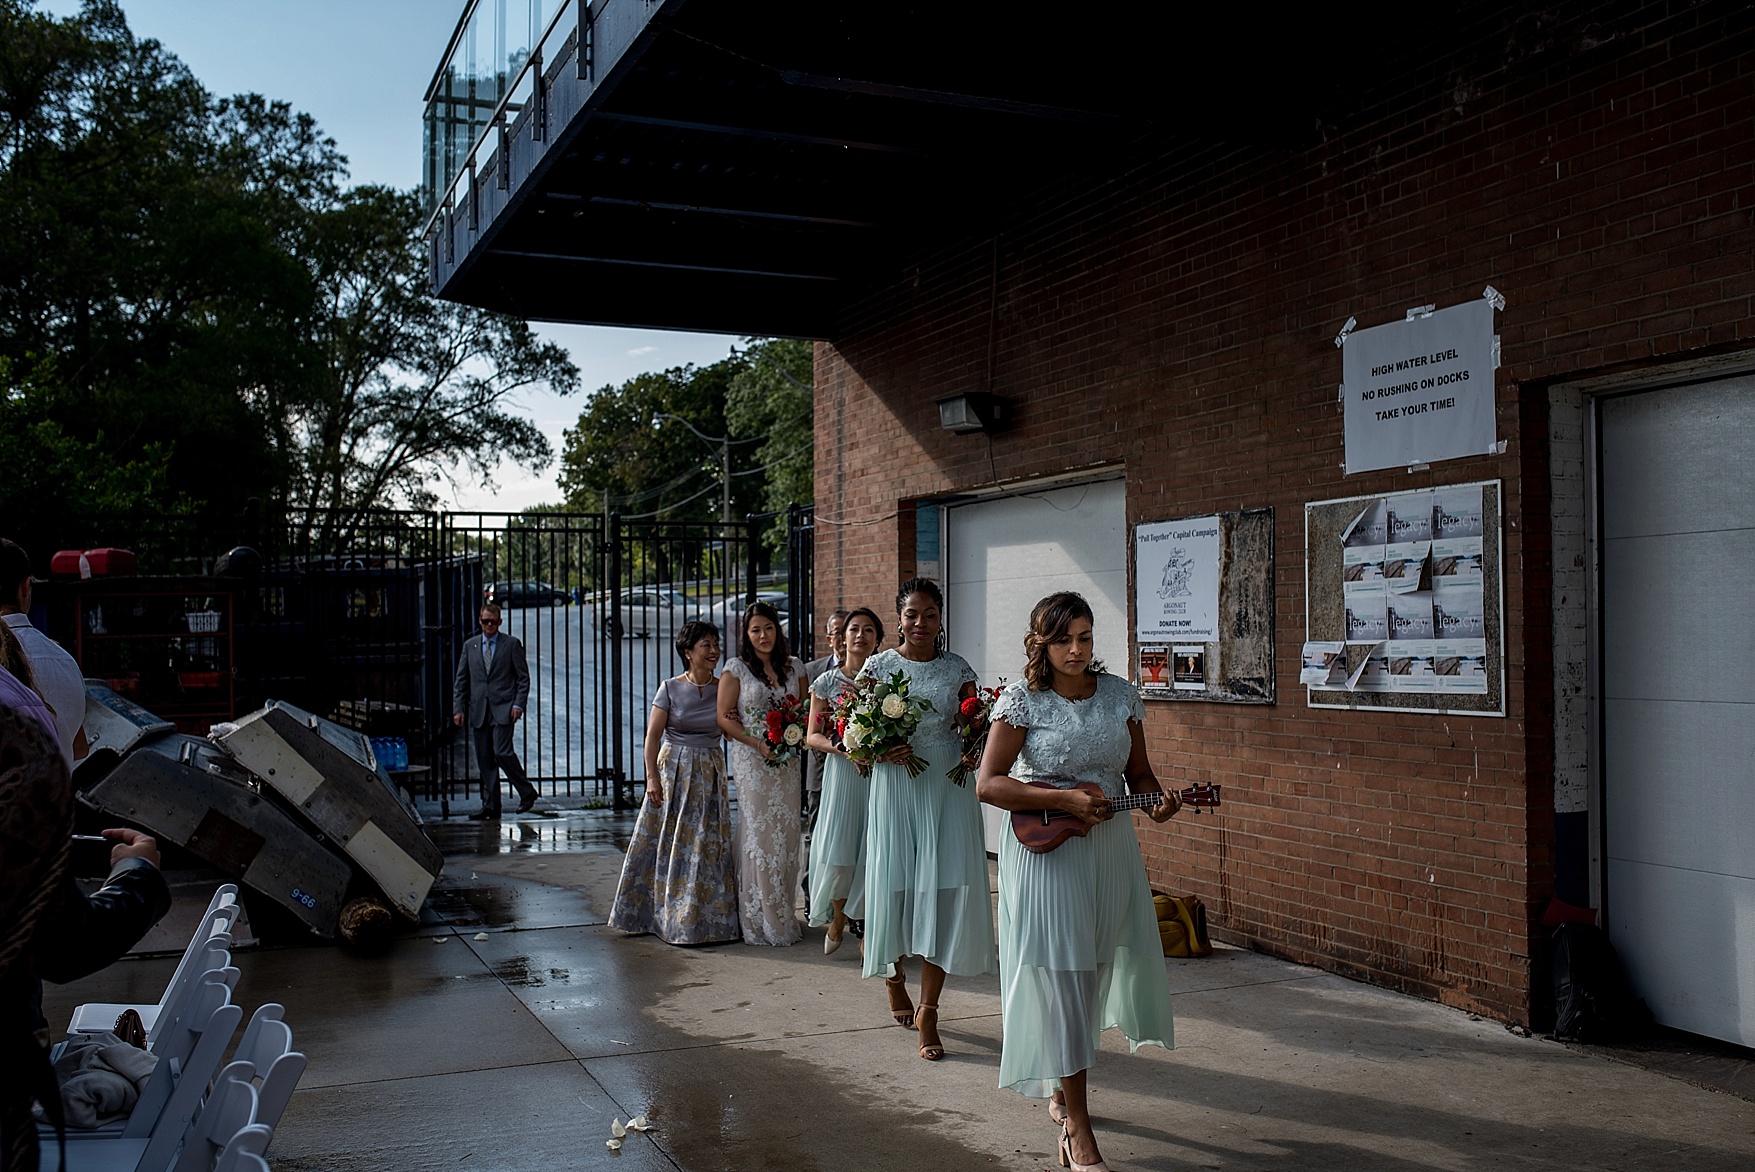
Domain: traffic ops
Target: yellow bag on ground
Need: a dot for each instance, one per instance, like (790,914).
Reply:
(1182,925)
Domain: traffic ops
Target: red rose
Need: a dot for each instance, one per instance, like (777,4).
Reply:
(774,721)
(841,727)
(971,707)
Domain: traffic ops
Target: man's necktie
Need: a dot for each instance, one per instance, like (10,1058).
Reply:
(487,652)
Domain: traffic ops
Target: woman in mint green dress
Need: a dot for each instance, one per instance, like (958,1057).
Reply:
(837,845)
(926,889)
(1079,949)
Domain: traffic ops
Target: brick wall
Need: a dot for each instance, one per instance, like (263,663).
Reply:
(1178,316)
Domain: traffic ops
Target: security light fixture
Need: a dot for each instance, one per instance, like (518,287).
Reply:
(975,411)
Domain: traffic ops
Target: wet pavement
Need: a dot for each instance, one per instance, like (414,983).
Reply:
(516,1050)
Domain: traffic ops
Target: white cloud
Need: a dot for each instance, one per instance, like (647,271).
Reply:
(642,351)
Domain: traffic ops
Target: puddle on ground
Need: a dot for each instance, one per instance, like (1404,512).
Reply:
(554,833)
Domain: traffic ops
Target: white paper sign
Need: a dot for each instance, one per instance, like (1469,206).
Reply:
(1176,580)
(1420,391)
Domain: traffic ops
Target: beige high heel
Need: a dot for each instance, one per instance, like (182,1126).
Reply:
(1066,1160)
(898,990)
(931,1051)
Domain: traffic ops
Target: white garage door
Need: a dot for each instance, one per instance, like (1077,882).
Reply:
(1002,556)
(1678,524)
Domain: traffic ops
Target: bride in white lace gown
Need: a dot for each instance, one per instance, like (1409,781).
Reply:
(769,797)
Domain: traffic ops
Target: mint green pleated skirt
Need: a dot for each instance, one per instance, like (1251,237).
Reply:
(926,870)
(1079,953)
(837,843)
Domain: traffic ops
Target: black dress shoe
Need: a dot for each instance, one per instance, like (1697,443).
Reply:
(485,816)
(528,804)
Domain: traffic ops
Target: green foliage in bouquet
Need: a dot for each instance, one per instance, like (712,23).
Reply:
(874,716)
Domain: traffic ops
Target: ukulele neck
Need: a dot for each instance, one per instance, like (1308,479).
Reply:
(1142,801)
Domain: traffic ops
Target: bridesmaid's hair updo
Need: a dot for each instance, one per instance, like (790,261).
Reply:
(1049,622)
(867,613)
(693,632)
(924,586)
(780,658)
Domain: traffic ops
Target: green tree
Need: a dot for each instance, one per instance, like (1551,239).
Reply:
(152,289)
(193,304)
(760,396)
(405,385)
(666,471)
(770,396)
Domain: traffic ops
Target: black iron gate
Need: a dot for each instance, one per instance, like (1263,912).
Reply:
(597,602)
(361,615)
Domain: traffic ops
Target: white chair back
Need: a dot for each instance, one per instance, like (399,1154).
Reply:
(172,1038)
(216,922)
(267,1046)
(174,1092)
(245,1151)
(214,930)
(229,1109)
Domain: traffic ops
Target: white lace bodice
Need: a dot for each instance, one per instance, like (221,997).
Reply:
(939,681)
(1073,740)
(755,697)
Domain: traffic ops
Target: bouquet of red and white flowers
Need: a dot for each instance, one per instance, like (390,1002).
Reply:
(874,716)
(782,730)
(973,720)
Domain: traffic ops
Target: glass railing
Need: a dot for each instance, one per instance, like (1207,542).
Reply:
(485,75)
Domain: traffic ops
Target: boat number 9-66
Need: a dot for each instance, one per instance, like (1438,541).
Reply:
(309,901)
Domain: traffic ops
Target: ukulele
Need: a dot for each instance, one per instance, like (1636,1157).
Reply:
(1043,830)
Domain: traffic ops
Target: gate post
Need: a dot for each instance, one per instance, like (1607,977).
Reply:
(620,777)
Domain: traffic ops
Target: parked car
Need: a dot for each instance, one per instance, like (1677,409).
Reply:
(727,615)
(516,594)
(655,611)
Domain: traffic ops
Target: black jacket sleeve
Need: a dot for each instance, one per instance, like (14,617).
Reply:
(85,934)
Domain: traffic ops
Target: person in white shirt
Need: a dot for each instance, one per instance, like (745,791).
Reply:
(58,678)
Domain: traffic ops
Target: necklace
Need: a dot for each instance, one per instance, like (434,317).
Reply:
(1079,699)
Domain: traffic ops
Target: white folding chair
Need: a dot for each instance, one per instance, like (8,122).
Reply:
(228,1111)
(222,911)
(242,1155)
(173,1096)
(180,1051)
(267,1047)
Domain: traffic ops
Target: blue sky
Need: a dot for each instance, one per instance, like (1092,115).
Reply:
(360,68)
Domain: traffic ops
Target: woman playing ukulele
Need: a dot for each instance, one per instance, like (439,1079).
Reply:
(1079,950)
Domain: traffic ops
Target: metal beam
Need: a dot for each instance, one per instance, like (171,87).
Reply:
(657,264)
(756,132)
(794,217)
(878,89)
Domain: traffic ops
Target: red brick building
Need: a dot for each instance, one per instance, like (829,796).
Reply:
(1177,322)
(1160,323)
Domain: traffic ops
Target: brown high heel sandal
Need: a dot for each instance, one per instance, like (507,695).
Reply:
(898,990)
(931,1051)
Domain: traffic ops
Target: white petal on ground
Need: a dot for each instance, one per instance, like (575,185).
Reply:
(616,1129)
(639,1123)
(614,1145)
(481,935)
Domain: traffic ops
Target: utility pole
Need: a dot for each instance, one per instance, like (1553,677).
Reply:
(725,480)
(724,442)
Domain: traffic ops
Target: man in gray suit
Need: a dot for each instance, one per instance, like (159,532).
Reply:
(813,760)
(490,690)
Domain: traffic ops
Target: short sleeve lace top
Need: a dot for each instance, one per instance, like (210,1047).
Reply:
(1068,741)
(939,680)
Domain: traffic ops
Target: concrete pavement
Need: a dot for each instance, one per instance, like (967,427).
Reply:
(516,1051)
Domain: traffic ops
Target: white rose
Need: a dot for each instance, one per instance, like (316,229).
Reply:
(852,737)
(794,734)
(895,706)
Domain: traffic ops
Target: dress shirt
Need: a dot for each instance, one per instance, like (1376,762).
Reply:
(58,679)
